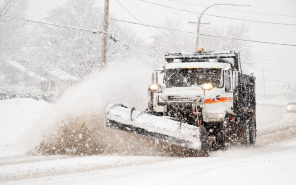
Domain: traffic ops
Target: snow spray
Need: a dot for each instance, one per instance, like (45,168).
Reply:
(75,124)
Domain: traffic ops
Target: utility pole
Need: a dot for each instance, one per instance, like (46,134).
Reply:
(105,34)
(263,82)
(154,53)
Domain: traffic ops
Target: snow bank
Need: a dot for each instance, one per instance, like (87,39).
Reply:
(17,116)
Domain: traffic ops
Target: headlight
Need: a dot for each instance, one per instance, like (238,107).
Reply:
(155,87)
(289,107)
(221,115)
(207,86)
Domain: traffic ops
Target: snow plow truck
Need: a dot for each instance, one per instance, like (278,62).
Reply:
(201,101)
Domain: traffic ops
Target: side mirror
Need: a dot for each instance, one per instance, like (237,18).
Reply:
(227,80)
(154,77)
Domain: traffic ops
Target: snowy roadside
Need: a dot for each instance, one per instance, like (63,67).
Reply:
(17,117)
(41,166)
(272,164)
(273,116)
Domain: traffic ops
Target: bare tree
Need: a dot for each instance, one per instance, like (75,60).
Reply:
(72,50)
(12,37)
(76,51)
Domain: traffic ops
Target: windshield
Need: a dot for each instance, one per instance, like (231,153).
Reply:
(193,77)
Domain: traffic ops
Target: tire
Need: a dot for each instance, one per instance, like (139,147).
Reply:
(221,139)
(252,132)
(204,139)
(246,135)
(249,132)
(158,114)
(226,131)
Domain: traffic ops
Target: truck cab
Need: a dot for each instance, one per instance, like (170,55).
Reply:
(202,83)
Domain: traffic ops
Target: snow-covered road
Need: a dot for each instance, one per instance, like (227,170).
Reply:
(271,161)
(273,164)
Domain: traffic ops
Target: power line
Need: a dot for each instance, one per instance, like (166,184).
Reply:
(150,16)
(179,3)
(129,12)
(147,25)
(152,26)
(246,11)
(208,35)
(218,16)
(53,24)
(67,27)
(144,11)
(285,58)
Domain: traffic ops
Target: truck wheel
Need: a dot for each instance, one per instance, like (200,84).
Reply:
(221,139)
(252,131)
(245,132)
(249,132)
(204,138)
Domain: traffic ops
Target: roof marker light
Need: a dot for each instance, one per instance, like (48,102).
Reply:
(199,49)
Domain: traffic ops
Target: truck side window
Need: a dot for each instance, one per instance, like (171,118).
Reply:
(227,81)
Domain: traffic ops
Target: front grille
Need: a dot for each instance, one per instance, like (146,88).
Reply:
(182,99)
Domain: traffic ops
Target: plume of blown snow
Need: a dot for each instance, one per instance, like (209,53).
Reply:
(124,83)
(75,124)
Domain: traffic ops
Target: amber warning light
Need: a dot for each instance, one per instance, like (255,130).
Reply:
(199,49)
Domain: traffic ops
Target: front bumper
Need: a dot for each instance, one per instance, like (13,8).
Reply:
(190,108)
(213,117)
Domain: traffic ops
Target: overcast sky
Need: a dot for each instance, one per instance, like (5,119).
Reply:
(279,62)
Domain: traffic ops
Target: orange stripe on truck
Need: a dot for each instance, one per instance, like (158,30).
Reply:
(221,100)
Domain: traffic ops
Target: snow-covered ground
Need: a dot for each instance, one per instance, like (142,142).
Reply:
(17,117)
(271,161)
(267,165)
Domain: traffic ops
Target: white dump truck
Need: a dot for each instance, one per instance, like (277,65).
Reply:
(200,100)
